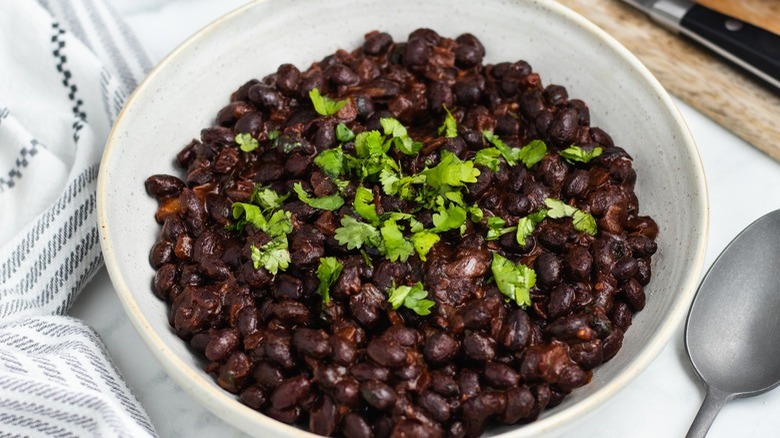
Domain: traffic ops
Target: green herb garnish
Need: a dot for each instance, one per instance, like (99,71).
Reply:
(513,280)
(331,202)
(328,272)
(325,105)
(411,297)
(582,221)
(246,142)
(577,154)
(449,127)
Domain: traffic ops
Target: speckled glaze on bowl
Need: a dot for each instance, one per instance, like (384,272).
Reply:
(185,91)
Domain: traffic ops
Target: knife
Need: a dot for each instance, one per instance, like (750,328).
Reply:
(752,48)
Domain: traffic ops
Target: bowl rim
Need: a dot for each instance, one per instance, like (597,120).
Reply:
(237,415)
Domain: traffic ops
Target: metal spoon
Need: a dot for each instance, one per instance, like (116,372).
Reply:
(733,329)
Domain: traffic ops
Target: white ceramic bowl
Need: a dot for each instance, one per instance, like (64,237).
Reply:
(183,94)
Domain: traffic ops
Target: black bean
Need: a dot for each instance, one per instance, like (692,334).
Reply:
(288,79)
(516,332)
(440,347)
(561,300)
(221,343)
(265,97)
(347,393)
(291,392)
(563,128)
(479,347)
(625,268)
(577,263)
(548,269)
(378,394)
(356,427)
(642,246)
(165,279)
(366,371)
(634,294)
(587,354)
(377,43)
(254,397)
(161,253)
(234,373)
(312,343)
(324,417)
(163,186)
(499,375)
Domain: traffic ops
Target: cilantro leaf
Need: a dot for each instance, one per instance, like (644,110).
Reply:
(511,155)
(575,153)
(246,142)
(423,241)
(331,161)
(369,143)
(497,228)
(475,213)
(411,297)
(273,135)
(343,133)
(581,220)
(399,136)
(396,185)
(532,153)
(514,281)
(488,157)
(584,222)
(396,245)
(364,205)
(332,202)
(450,172)
(280,224)
(449,127)
(527,224)
(267,197)
(251,214)
(328,272)
(449,219)
(325,105)
(354,234)
(273,256)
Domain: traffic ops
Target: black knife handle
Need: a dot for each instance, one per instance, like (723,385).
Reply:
(753,45)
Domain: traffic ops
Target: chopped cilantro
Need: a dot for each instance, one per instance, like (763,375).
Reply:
(267,197)
(246,142)
(280,224)
(354,234)
(325,105)
(273,256)
(364,205)
(251,214)
(450,172)
(529,154)
(399,137)
(527,224)
(475,213)
(397,247)
(514,281)
(396,185)
(343,133)
(423,241)
(582,221)
(449,219)
(411,297)
(575,153)
(273,135)
(449,127)
(497,228)
(328,272)
(331,161)
(533,152)
(488,157)
(332,202)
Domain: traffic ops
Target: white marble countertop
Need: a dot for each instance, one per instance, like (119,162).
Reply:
(661,402)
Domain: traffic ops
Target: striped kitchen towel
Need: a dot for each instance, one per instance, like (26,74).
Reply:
(66,68)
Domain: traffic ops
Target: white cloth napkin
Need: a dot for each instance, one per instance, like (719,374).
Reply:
(65,70)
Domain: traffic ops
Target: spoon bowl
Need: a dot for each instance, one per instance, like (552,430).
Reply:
(733,331)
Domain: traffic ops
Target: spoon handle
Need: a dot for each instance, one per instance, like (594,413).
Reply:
(713,401)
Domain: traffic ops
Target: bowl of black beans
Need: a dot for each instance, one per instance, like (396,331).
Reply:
(402,219)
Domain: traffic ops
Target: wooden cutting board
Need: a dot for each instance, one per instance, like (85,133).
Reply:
(693,74)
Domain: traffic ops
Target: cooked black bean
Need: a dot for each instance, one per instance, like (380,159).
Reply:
(378,394)
(248,297)
(291,392)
